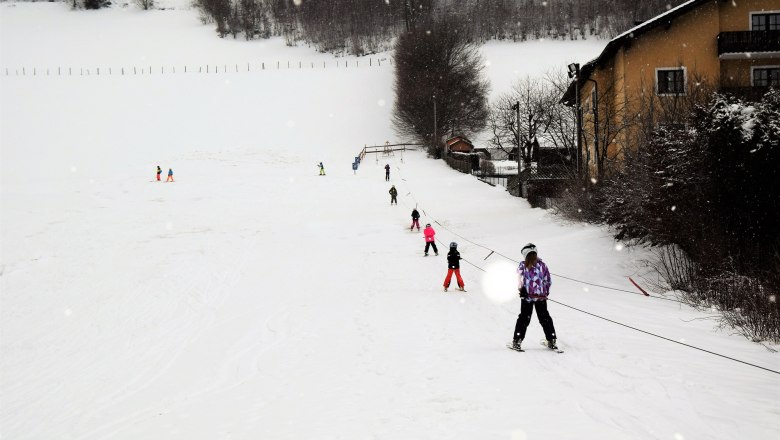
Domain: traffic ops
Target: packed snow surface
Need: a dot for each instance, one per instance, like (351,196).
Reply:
(253,298)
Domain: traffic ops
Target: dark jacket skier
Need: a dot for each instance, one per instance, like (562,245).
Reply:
(393,194)
(415,219)
(453,266)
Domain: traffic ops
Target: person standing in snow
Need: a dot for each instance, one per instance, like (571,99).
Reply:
(415,219)
(159,172)
(429,233)
(453,266)
(170,175)
(534,286)
(393,195)
(387,172)
(322,169)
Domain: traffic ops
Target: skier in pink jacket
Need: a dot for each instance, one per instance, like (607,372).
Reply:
(429,239)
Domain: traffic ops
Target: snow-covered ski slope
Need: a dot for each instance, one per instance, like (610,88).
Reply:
(254,299)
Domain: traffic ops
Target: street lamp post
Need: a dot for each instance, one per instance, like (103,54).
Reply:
(574,72)
(516,108)
(596,122)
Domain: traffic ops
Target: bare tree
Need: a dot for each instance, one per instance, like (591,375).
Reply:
(438,84)
(146,4)
(518,119)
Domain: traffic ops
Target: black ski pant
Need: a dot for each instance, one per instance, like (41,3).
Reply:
(428,244)
(526,311)
(387,175)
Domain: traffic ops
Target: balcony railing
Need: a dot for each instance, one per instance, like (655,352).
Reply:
(752,94)
(748,41)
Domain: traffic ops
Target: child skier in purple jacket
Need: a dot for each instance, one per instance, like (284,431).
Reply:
(534,286)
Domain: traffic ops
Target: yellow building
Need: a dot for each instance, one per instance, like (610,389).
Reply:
(651,71)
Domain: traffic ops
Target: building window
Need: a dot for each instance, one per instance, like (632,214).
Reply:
(765,22)
(670,81)
(766,76)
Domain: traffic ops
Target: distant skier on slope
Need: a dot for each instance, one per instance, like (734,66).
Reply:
(453,266)
(393,195)
(159,171)
(534,286)
(415,220)
(387,172)
(322,169)
(170,175)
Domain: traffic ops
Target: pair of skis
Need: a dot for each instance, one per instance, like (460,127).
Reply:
(543,342)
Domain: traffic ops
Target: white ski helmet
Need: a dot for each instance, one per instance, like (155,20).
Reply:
(527,249)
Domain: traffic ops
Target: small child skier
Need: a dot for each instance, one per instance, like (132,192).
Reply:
(415,220)
(322,169)
(453,266)
(159,172)
(170,175)
(534,287)
(393,195)
(429,233)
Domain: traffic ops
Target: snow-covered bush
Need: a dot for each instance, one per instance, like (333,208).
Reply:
(709,186)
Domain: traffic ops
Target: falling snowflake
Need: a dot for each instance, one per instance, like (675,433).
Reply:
(619,247)
(674,208)
(772,298)
(592,179)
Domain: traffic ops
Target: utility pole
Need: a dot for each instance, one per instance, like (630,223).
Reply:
(435,135)
(516,108)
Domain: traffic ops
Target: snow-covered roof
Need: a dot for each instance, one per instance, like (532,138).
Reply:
(616,42)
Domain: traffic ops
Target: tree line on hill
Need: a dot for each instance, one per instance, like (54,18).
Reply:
(361,27)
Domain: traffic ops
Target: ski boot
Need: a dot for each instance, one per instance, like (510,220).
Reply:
(516,344)
(437,254)
(551,344)
(461,288)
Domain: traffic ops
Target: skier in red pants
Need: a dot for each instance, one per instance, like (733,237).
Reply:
(453,266)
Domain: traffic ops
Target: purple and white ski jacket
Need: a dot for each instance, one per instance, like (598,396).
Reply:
(536,280)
